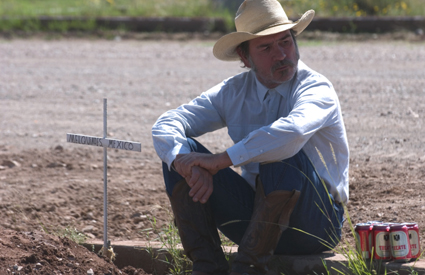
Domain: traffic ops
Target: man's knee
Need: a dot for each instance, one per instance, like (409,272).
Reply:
(287,174)
(196,146)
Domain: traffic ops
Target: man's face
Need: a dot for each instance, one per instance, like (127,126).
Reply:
(273,58)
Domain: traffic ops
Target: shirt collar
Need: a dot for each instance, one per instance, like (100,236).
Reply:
(261,89)
(282,89)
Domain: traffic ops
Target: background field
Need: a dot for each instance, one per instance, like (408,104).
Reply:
(50,88)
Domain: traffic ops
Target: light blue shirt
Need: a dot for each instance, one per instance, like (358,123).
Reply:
(266,126)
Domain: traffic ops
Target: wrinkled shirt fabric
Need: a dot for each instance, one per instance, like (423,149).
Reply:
(266,125)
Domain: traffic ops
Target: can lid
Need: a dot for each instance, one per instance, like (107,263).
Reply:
(409,223)
(381,226)
(364,226)
(374,222)
(412,225)
(397,226)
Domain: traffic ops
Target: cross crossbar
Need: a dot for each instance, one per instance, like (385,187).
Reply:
(104,142)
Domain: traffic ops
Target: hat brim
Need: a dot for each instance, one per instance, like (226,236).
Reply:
(225,48)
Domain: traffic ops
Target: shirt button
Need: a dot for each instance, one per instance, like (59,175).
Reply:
(261,151)
(241,158)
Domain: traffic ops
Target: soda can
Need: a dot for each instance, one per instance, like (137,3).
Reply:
(400,243)
(415,244)
(381,242)
(364,239)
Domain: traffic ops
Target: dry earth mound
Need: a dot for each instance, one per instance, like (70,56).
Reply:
(40,253)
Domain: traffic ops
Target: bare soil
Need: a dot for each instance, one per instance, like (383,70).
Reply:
(49,88)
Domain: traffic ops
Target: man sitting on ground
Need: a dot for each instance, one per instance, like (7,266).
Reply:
(289,139)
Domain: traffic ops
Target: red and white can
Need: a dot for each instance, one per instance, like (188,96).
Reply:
(415,244)
(381,242)
(364,239)
(400,243)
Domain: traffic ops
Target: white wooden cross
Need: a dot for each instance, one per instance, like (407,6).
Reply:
(105,143)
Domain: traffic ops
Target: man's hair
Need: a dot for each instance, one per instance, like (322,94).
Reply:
(296,44)
(244,48)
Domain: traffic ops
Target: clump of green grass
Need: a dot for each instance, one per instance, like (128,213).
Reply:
(168,237)
(68,232)
(72,234)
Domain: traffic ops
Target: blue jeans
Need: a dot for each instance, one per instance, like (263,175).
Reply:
(316,218)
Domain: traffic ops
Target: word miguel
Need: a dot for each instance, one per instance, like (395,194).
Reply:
(388,241)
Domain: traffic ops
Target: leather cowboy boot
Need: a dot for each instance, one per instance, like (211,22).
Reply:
(270,218)
(198,232)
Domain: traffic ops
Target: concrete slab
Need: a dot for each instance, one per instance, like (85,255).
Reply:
(153,258)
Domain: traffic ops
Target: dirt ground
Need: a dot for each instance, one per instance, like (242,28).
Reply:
(49,88)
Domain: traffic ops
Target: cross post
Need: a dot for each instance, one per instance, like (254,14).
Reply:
(105,143)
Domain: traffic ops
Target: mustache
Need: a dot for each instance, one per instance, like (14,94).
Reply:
(282,63)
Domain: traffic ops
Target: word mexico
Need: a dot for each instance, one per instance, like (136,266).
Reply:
(104,142)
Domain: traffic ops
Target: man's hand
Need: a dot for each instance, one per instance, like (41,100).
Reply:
(201,184)
(211,162)
(198,170)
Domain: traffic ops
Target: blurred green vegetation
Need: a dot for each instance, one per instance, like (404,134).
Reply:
(95,8)
(16,10)
(204,8)
(357,8)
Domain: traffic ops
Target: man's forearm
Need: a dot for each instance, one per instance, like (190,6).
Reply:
(212,162)
(222,160)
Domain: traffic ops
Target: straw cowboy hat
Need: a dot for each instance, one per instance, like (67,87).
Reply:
(256,18)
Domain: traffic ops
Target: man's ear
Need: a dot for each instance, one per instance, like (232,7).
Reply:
(243,57)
